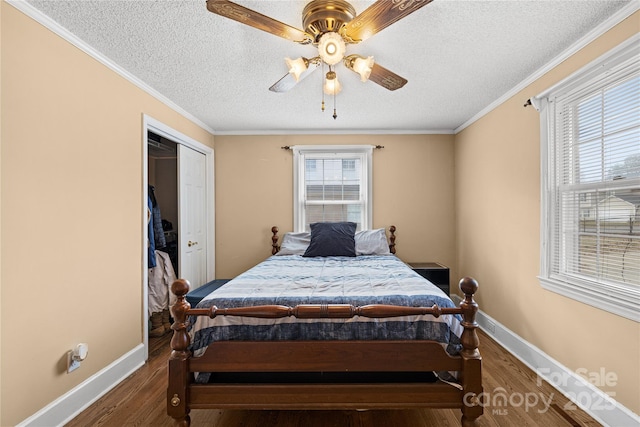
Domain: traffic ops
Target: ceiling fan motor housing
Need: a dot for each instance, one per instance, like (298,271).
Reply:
(323,16)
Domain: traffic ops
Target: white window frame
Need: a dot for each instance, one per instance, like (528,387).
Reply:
(300,154)
(618,298)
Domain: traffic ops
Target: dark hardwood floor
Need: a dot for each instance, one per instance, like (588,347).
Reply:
(140,401)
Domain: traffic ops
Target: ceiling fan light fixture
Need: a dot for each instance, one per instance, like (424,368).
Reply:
(329,25)
(331,48)
(297,66)
(360,65)
(331,84)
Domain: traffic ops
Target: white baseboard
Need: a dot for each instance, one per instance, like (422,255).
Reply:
(602,407)
(583,394)
(67,406)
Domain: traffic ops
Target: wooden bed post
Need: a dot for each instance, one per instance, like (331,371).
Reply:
(179,375)
(274,241)
(392,239)
(471,379)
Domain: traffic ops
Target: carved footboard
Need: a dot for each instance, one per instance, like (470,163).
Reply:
(324,356)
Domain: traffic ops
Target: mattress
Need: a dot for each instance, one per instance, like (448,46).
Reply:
(291,280)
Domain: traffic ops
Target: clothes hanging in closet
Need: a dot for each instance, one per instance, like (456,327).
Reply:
(151,241)
(158,232)
(160,279)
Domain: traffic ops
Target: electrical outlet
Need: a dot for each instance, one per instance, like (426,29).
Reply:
(72,364)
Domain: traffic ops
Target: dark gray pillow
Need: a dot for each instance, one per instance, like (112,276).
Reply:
(332,239)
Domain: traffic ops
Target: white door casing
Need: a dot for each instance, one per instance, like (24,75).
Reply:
(159,128)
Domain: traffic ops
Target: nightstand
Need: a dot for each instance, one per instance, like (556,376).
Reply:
(434,272)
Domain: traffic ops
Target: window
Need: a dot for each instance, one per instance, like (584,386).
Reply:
(590,125)
(310,166)
(332,183)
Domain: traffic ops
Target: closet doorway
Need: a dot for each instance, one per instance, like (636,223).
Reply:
(162,160)
(178,176)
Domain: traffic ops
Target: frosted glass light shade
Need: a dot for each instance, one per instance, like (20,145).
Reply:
(296,66)
(332,86)
(363,67)
(331,48)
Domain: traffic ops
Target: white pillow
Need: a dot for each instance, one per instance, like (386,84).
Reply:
(372,242)
(295,243)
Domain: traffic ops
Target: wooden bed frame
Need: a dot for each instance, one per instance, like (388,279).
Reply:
(281,357)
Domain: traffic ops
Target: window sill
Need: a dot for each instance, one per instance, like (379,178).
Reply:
(619,300)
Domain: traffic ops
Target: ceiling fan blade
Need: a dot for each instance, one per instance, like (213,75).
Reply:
(287,82)
(386,78)
(379,16)
(257,20)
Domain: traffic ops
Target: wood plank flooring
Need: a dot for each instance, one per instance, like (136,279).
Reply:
(140,401)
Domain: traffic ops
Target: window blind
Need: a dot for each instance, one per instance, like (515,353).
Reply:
(332,190)
(332,183)
(596,215)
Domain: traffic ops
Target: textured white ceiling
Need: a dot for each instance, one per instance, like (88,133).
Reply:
(458,55)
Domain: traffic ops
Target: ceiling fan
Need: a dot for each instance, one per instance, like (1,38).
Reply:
(330,25)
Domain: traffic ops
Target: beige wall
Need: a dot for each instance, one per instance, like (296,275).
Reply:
(71,212)
(412,189)
(498,206)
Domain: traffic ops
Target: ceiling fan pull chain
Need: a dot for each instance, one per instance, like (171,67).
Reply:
(335,116)
(335,87)
(322,86)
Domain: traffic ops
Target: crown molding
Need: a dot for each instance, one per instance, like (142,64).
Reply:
(338,132)
(56,28)
(592,35)
(59,30)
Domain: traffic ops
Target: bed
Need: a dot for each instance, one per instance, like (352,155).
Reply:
(297,332)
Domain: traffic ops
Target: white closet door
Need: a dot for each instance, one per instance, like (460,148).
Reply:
(192,217)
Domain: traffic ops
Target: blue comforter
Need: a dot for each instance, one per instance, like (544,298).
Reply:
(292,279)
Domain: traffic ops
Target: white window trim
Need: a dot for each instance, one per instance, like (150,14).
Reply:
(622,300)
(299,153)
